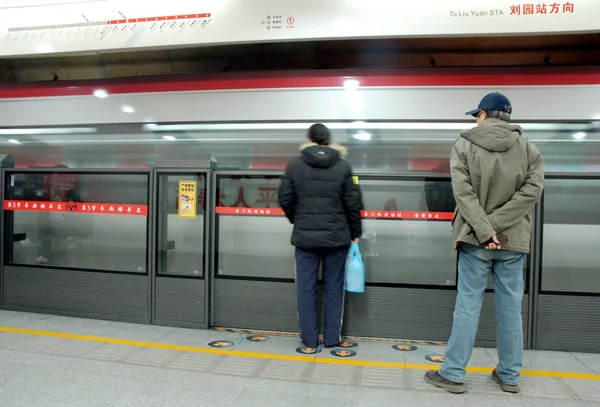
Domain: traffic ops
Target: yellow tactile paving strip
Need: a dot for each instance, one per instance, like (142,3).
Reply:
(275,356)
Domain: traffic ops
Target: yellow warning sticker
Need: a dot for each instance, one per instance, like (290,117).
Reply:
(355,179)
(187,200)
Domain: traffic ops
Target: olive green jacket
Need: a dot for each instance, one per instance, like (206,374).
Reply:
(497,177)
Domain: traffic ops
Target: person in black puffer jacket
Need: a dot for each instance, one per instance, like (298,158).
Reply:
(319,197)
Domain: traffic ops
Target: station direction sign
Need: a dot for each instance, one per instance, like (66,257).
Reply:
(37,27)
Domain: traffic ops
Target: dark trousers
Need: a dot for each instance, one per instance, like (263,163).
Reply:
(307,271)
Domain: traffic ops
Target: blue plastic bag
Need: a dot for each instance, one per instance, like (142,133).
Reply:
(355,271)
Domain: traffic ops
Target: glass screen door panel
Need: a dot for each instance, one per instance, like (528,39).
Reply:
(181,224)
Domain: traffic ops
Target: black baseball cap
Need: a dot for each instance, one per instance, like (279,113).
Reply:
(493,102)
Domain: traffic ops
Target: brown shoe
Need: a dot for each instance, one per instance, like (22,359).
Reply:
(434,378)
(509,388)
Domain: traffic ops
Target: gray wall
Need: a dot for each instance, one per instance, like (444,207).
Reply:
(395,313)
(180,302)
(78,293)
(568,323)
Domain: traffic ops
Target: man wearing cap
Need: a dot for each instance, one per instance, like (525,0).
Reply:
(497,177)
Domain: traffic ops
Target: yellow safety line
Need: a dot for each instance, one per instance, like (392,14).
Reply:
(275,356)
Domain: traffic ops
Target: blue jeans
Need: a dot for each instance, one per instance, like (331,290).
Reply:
(474,267)
(307,273)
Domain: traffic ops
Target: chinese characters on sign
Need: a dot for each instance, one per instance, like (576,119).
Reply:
(240,201)
(227,210)
(79,207)
(520,9)
(542,8)
(268,196)
(232,194)
(407,215)
(112,209)
(275,22)
(186,208)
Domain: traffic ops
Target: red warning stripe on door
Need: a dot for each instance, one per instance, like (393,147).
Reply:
(225,210)
(407,215)
(76,207)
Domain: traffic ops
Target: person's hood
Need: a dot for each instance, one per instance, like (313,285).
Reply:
(322,156)
(493,135)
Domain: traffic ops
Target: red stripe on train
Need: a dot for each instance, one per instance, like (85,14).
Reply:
(315,79)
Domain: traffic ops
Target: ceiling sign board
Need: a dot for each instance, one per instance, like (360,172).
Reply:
(33,27)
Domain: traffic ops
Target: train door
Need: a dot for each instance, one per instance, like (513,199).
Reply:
(6,161)
(182,247)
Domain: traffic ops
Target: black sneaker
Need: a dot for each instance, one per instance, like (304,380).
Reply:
(434,378)
(509,388)
(337,345)
(341,344)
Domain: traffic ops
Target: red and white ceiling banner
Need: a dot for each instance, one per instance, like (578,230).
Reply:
(33,27)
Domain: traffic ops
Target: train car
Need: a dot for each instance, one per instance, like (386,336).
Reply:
(114,154)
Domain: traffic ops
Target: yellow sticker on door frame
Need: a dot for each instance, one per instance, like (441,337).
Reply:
(186,199)
(355,179)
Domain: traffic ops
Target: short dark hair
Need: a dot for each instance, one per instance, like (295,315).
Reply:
(320,134)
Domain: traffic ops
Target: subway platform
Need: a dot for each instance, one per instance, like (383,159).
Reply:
(52,361)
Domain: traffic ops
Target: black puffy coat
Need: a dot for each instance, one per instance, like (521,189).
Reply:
(319,197)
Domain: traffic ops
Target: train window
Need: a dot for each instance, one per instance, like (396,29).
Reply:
(570,257)
(407,236)
(253,237)
(87,221)
(181,238)
(374,147)
(378,147)
(417,249)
